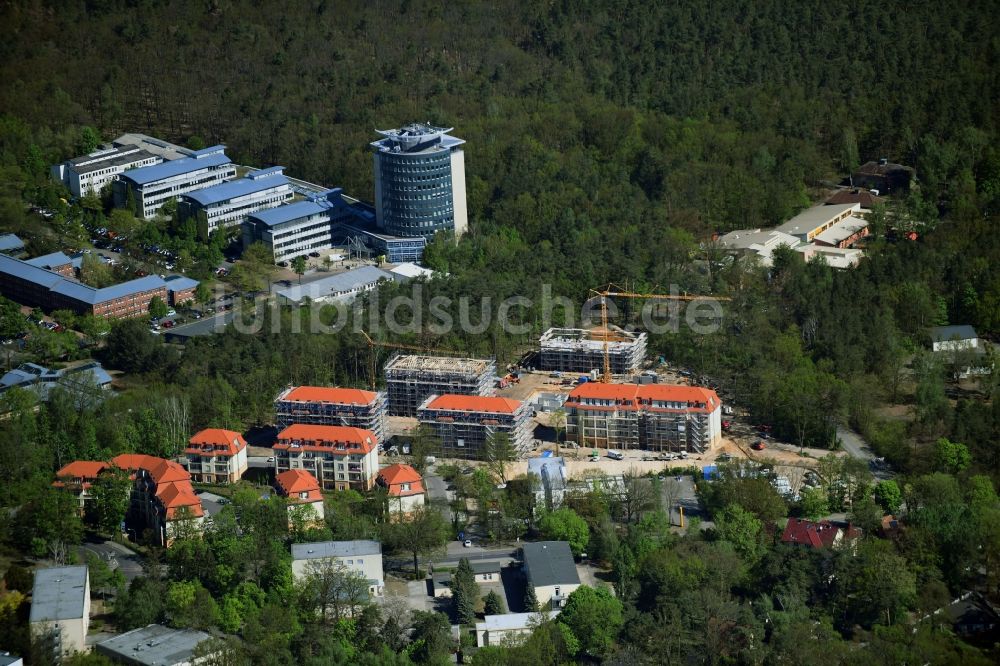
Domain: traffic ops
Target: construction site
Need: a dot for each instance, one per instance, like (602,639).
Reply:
(584,350)
(411,379)
(332,406)
(464,423)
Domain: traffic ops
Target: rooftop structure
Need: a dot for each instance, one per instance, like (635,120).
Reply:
(326,549)
(818,534)
(419,181)
(582,350)
(228,204)
(339,287)
(395,248)
(465,423)
(153,645)
(757,242)
(410,379)
(159,147)
(145,190)
(834,257)
(808,225)
(327,405)
(659,417)
(89,174)
(408,269)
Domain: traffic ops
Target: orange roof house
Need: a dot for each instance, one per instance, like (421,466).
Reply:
(401,480)
(333,394)
(216,442)
(301,488)
(324,437)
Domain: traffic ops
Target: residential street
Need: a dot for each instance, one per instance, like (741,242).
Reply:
(116,555)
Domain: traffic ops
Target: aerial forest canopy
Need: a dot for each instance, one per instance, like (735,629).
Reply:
(606,142)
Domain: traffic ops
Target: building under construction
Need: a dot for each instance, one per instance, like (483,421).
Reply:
(410,380)
(331,406)
(582,350)
(464,423)
(656,417)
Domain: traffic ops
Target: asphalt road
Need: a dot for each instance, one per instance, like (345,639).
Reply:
(437,490)
(259,461)
(858,448)
(116,555)
(684,496)
(205,326)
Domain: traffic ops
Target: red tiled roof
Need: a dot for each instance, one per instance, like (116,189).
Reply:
(173,496)
(344,396)
(167,471)
(821,534)
(82,469)
(393,476)
(134,461)
(292,482)
(628,396)
(602,391)
(324,437)
(474,403)
(216,441)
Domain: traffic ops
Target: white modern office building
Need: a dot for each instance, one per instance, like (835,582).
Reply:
(299,228)
(91,173)
(145,190)
(362,557)
(420,181)
(228,204)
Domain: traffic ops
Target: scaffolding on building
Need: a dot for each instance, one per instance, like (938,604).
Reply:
(583,350)
(411,379)
(292,406)
(464,432)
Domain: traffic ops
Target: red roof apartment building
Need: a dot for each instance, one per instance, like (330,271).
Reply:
(161,493)
(215,455)
(658,417)
(405,487)
(302,489)
(340,457)
(330,405)
(464,423)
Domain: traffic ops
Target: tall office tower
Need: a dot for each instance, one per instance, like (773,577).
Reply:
(420,181)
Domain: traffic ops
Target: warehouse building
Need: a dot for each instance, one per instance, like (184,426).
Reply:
(145,190)
(340,287)
(341,458)
(91,173)
(229,204)
(154,645)
(330,405)
(410,380)
(657,417)
(582,350)
(465,423)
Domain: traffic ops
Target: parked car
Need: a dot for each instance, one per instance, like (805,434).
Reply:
(171,312)
(314,254)
(758,445)
(468,543)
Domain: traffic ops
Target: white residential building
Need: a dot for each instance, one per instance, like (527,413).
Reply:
(363,557)
(93,172)
(510,628)
(550,569)
(148,188)
(215,455)
(228,204)
(60,608)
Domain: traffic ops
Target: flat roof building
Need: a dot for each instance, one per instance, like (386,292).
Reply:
(411,379)
(60,608)
(330,405)
(420,181)
(509,628)
(395,249)
(340,287)
(180,289)
(810,224)
(582,350)
(465,423)
(228,204)
(145,190)
(90,174)
(8,659)
(87,383)
(154,645)
(164,149)
(11,244)
(361,556)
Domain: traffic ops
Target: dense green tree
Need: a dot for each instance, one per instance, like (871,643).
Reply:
(888,495)
(464,592)
(493,604)
(742,529)
(565,525)
(595,616)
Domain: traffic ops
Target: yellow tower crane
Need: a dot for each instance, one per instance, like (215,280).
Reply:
(613,291)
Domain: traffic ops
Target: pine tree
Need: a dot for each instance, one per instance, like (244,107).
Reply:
(493,604)
(465,591)
(530,600)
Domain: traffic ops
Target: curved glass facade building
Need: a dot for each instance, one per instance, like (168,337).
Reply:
(419,181)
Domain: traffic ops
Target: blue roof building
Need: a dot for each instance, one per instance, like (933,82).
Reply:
(11,244)
(86,383)
(145,190)
(228,204)
(420,181)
